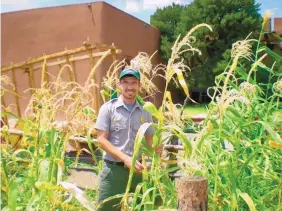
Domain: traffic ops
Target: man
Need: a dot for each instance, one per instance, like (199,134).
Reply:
(117,125)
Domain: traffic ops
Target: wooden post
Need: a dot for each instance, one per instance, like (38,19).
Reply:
(74,70)
(192,193)
(95,103)
(70,73)
(17,95)
(5,116)
(44,74)
(31,79)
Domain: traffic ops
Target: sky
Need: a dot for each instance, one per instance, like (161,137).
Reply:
(142,9)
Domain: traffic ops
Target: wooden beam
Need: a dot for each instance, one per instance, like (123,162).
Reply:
(74,70)
(55,55)
(5,116)
(72,59)
(16,91)
(44,73)
(31,79)
(70,73)
(114,53)
(84,140)
(93,89)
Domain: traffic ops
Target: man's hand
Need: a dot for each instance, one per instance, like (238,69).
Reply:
(138,166)
(159,149)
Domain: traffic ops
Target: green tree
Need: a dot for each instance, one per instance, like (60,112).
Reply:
(232,20)
(166,20)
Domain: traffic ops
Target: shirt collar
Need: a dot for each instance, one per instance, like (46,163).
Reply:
(121,103)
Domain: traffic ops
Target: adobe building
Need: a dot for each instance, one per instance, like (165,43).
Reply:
(278,25)
(32,33)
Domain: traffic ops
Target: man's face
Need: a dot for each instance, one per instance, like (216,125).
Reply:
(129,86)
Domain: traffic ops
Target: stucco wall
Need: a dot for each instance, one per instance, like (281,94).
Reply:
(32,33)
(278,25)
(132,36)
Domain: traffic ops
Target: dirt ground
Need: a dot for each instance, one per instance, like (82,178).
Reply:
(84,179)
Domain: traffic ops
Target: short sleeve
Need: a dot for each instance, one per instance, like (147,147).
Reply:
(150,130)
(103,120)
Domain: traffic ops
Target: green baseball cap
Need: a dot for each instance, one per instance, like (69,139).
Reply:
(128,72)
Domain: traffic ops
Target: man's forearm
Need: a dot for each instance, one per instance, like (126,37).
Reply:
(111,149)
(149,140)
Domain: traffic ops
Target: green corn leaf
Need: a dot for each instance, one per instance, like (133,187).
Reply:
(44,169)
(182,82)
(248,200)
(243,74)
(21,155)
(182,136)
(145,196)
(137,194)
(111,198)
(13,193)
(113,93)
(32,204)
(276,137)
(270,52)
(151,108)
(137,144)
(140,100)
(104,94)
(252,156)
(263,66)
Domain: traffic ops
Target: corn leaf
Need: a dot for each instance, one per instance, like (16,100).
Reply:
(183,138)
(248,200)
(137,144)
(104,94)
(137,194)
(275,136)
(270,52)
(44,169)
(151,108)
(182,82)
(78,194)
(13,193)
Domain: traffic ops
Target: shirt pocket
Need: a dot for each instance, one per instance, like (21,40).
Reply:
(118,131)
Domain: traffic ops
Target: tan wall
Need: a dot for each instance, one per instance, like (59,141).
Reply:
(32,33)
(132,36)
(278,25)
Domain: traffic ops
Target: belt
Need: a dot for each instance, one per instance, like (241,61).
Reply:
(114,162)
(117,163)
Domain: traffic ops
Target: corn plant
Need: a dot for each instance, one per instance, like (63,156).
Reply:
(157,188)
(32,173)
(240,143)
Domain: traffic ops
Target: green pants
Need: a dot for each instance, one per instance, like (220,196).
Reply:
(112,181)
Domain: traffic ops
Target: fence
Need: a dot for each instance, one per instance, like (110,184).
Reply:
(87,52)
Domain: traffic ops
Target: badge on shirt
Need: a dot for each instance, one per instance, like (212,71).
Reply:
(116,120)
(142,120)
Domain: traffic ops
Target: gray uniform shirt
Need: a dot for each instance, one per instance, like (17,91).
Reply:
(122,125)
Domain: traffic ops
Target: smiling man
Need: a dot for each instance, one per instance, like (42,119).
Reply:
(117,125)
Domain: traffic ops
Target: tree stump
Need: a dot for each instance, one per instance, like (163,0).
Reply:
(192,193)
